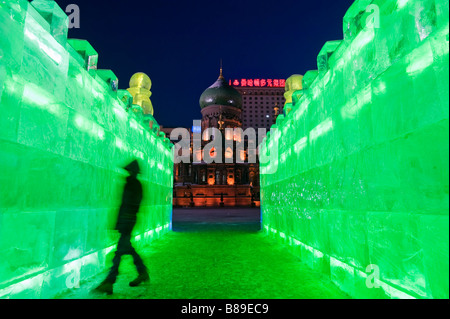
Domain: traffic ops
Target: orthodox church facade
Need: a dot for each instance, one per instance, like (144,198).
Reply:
(230,181)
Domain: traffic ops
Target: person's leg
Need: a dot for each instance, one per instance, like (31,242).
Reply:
(114,271)
(122,249)
(140,266)
(107,285)
(139,263)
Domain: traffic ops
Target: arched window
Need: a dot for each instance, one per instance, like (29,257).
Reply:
(229,153)
(203,176)
(212,152)
(238,176)
(252,178)
(224,177)
(242,154)
(245,177)
(218,182)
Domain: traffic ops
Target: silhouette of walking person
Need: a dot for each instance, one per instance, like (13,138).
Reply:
(131,200)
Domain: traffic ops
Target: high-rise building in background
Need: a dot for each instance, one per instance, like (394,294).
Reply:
(262,101)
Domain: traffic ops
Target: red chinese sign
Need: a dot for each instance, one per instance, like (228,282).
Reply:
(276,83)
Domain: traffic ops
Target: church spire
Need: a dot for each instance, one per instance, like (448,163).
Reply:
(221,70)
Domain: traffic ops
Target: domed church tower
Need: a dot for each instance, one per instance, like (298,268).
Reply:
(225,181)
(221,105)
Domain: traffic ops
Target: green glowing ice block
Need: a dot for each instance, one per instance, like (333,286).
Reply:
(324,55)
(86,51)
(56,18)
(359,182)
(64,134)
(308,79)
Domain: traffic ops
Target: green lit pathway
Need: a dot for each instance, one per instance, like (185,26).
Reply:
(215,261)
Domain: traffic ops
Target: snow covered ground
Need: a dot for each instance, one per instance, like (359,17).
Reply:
(216,254)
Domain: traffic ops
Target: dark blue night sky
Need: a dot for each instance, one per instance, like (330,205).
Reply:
(179,44)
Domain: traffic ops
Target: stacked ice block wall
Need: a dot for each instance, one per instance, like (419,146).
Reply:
(64,134)
(360,185)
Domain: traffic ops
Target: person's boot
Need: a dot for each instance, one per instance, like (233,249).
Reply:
(143,277)
(105,287)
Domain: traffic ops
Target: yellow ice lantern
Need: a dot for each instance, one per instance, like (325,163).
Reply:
(293,83)
(140,85)
(141,80)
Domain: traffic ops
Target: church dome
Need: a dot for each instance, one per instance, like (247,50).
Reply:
(220,93)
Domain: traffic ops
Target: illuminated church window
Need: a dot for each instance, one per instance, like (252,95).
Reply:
(213,152)
(229,153)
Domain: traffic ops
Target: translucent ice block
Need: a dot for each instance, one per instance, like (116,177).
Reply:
(360,187)
(65,133)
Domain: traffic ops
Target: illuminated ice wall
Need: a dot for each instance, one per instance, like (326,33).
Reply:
(64,134)
(361,182)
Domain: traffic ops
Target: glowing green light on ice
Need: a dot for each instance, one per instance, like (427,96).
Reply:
(401,3)
(321,129)
(64,136)
(361,179)
(419,60)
